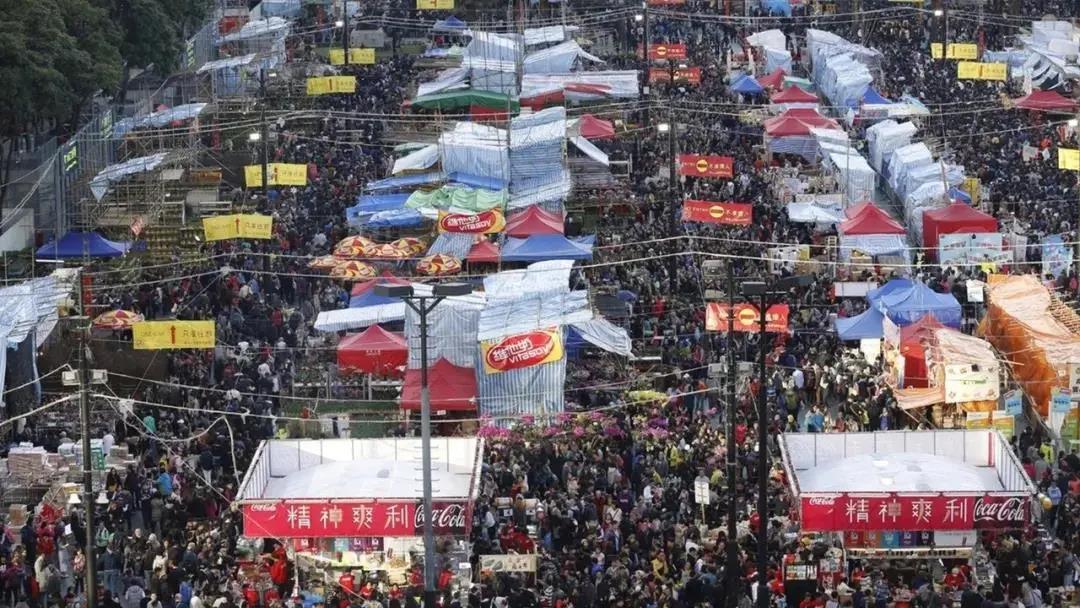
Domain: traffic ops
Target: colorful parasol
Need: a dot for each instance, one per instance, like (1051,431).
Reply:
(385,251)
(117,320)
(353,271)
(438,265)
(325,262)
(411,244)
(352,245)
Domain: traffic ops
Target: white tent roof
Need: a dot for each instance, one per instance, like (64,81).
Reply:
(557,59)
(546,35)
(228,62)
(770,39)
(256,29)
(424,158)
(899,472)
(101,183)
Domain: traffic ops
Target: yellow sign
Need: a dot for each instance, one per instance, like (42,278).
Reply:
(238,225)
(71,157)
(973,187)
(356,56)
(326,85)
(954,51)
(157,335)
(968,70)
(995,71)
(1069,159)
(936,50)
(277,174)
(520,351)
(997,419)
(434,5)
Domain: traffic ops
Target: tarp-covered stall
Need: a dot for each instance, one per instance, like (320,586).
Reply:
(955,218)
(75,245)
(373,351)
(906,306)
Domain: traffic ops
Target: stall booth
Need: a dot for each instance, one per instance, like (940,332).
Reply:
(352,509)
(906,496)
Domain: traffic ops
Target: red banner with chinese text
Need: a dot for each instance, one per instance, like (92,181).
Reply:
(733,214)
(663,52)
(746,318)
(700,165)
(688,75)
(345,519)
(898,512)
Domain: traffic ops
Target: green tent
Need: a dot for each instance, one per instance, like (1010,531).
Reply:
(457,197)
(457,100)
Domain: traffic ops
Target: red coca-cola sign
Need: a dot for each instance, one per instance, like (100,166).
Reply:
(351,519)
(449,518)
(998,512)
(522,350)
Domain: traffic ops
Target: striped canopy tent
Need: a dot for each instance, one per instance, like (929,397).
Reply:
(324,262)
(438,265)
(117,320)
(386,251)
(353,271)
(411,244)
(352,246)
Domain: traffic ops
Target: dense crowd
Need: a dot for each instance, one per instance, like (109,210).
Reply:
(604,496)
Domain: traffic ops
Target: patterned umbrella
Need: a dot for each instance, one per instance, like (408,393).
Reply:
(411,244)
(325,262)
(353,271)
(117,320)
(438,265)
(352,245)
(385,251)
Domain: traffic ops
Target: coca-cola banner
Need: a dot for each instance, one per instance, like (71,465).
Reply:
(898,512)
(351,519)
(522,350)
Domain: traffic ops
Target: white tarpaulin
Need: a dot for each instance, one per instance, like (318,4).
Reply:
(546,35)
(101,183)
(228,62)
(508,317)
(356,318)
(614,84)
(421,159)
(885,137)
(810,213)
(590,150)
(770,39)
(557,59)
(164,118)
(874,245)
(257,29)
(551,276)
(447,80)
(605,335)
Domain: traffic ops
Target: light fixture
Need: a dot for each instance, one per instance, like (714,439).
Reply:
(639,17)
(73,499)
(451,289)
(339,23)
(663,127)
(271,74)
(102,499)
(939,13)
(254,136)
(1073,122)
(682,66)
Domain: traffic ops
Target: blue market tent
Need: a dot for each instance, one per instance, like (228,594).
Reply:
(907,306)
(957,194)
(450,24)
(542,247)
(78,244)
(873,97)
(396,218)
(747,85)
(476,181)
(875,295)
(777,7)
(367,204)
(867,325)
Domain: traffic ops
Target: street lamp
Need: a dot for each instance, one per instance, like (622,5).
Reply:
(422,305)
(639,17)
(254,136)
(1073,122)
(339,23)
(939,13)
(762,290)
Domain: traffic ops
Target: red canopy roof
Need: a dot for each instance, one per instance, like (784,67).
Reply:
(385,278)
(534,220)
(871,220)
(774,80)
(797,121)
(957,217)
(591,127)
(794,94)
(1046,101)
(912,334)
(373,351)
(483,252)
(452,388)
(857,209)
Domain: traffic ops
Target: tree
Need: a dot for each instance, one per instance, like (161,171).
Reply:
(94,64)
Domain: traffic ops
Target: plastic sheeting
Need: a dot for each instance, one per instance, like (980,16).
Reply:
(841,70)
(906,306)
(590,150)
(452,327)
(475,149)
(424,158)
(583,86)
(777,59)
(551,276)
(103,181)
(605,335)
(557,59)
(547,247)
(228,62)
(869,324)
(452,244)
(813,213)
(447,80)
(537,391)
(886,137)
(535,36)
(373,203)
(510,316)
(396,218)
(770,39)
(404,181)
(457,198)
(260,28)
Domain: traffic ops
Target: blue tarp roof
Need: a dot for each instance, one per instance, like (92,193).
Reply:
(77,244)
(873,97)
(367,204)
(476,181)
(907,306)
(547,247)
(396,218)
(866,325)
(370,298)
(892,286)
(747,85)
(404,181)
(777,7)
(449,24)
(959,195)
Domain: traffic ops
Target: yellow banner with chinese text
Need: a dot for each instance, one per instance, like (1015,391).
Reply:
(1069,159)
(356,56)
(434,5)
(238,225)
(157,335)
(277,174)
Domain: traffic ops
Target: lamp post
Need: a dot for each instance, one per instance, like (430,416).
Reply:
(732,567)
(673,191)
(344,25)
(263,135)
(422,305)
(1074,123)
(762,290)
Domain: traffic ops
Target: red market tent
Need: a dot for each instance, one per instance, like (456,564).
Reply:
(871,220)
(797,121)
(915,369)
(373,351)
(794,94)
(1046,101)
(854,210)
(774,80)
(483,252)
(591,127)
(957,217)
(532,221)
(453,388)
(385,278)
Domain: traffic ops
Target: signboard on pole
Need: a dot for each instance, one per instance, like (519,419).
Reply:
(746,318)
(732,214)
(356,56)
(701,490)
(277,174)
(1014,402)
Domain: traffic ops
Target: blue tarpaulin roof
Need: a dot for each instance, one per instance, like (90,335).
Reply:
(367,204)
(892,286)
(866,325)
(449,24)
(370,298)
(78,244)
(959,195)
(907,306)
(777,7)
(873,97)
(396,218)
(747,85)
(476,181)
(547,247)
(404,181)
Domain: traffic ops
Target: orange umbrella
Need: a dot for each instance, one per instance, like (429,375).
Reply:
(117,319)
(325,262)
(353,271)
(352,245)
(411,244)
(439,264)
(385,250)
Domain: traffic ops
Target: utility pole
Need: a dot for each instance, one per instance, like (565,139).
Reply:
(763,461)
(264,134)
(673,194)
(732,567)
(345,32)
(645,88)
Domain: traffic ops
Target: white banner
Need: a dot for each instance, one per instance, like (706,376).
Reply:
(525,562)
(971,248)
(967,382)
